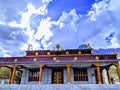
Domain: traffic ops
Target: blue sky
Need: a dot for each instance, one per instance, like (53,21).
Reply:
(70,23)
(55,8)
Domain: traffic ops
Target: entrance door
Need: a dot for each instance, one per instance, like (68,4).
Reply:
(57,76)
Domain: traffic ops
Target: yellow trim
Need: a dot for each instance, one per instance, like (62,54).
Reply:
(59,55)
(97,58)
(67,53)
(75,58)
(48,53)
(15,60)
(79,52)
(54,58)
(35,59)
(36,53)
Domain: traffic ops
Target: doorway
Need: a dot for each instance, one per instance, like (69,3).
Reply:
(57,76)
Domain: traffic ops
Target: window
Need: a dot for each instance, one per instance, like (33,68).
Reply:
(33,75)
(80,75)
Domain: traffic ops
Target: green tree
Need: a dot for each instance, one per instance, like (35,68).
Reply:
(4,72)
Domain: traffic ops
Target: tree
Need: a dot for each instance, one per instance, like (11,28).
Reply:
(5,72)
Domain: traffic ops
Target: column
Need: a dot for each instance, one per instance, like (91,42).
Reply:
(40,74)
(10,76)
(13,75)
(98,74)
(118,71)
(108,75)
(68,73)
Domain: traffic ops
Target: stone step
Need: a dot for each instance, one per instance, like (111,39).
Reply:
(61,87)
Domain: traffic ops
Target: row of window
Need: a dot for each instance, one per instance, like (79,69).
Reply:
(79,75)
(33,75)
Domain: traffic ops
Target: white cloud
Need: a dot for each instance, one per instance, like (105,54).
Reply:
(25,30)
(97,9)
(79,29)
(65,30)
(43,31)
(105,15)
(4,53)
(115,43)
(114,5)
(70,18)
(75,29)
(2,23)
(25,16)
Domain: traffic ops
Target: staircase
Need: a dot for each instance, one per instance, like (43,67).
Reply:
(61,87)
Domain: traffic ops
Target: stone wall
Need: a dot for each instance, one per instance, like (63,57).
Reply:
(91,76)
(25,74)
(47,77)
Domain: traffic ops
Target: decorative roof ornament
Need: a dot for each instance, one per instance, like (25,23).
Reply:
(54,58)
(88,45)
(58,48)
(97,57)
(30,47)
(48,53)
(79,52)
(75,58)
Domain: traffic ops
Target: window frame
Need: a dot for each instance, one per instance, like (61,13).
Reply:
(80,74)
(33,75)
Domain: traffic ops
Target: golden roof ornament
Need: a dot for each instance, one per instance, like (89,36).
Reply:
(29,47)
(88,46)
(58,48)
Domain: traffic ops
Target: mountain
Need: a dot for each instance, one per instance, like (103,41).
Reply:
(106,51)
(101,50)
